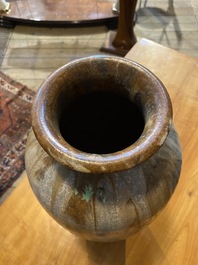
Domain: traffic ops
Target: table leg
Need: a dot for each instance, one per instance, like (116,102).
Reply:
(122,41)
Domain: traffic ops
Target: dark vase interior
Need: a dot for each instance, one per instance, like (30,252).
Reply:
(100,122)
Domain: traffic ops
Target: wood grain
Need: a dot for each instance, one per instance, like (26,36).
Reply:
(28,235)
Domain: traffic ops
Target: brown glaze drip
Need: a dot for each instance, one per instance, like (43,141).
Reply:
(77,209)
(55,190)
(94,212)
(83,199)
(47,162)
(131,204)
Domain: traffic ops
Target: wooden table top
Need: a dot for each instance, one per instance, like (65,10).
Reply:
(28,235)
(61,11)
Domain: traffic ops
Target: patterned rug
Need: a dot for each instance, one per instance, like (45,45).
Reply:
(15,108)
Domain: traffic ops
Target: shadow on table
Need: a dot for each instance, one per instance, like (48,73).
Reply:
(106,253)
(142,248)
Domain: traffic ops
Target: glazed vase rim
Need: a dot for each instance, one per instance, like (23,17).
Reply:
(53,143)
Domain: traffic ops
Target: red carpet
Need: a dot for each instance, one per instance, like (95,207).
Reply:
(15,109)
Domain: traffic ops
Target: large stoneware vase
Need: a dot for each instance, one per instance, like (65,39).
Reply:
(103,157)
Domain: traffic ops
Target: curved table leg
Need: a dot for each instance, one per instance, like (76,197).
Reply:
(123,40)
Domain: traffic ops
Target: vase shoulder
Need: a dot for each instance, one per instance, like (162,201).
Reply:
(104,207)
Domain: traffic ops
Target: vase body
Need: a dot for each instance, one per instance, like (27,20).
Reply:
(107,195)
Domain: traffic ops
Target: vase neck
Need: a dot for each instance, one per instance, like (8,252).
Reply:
(83,86)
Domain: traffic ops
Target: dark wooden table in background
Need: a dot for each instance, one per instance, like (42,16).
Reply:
(78,12)
(60,12)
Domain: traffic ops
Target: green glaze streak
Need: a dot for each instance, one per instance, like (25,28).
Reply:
(88,193)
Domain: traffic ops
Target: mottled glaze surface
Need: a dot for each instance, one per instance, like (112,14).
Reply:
(103,197)
(102,73)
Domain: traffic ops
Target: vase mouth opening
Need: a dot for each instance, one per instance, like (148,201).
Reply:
(101,114)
